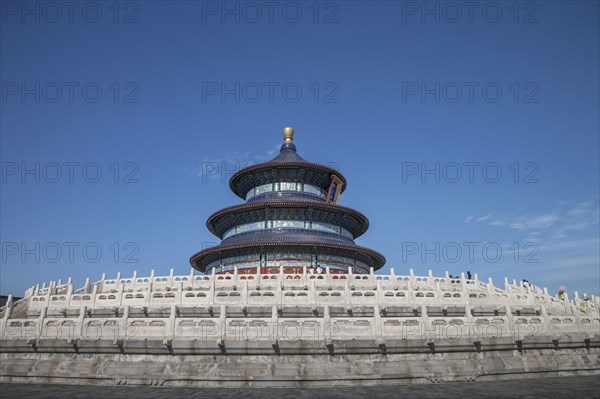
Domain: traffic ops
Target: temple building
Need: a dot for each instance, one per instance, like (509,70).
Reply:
(290,220)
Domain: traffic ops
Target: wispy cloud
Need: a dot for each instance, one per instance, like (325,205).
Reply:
(224,166)
(519,223)
(581,208)
(478,219)
(534,223)
(569,216)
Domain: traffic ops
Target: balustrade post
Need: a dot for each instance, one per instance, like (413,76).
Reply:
(172,321)
(8,308)
(40,326)
(81,320)
(223,323)
(274,325)
(125,321)
(490,288)
(326,322)
(192,275)
(430,278)
(377,325)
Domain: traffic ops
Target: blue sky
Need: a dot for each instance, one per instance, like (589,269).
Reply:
(469,137)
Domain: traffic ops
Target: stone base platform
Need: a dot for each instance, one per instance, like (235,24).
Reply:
(301,364)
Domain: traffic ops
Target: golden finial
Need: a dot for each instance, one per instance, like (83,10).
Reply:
(288,135)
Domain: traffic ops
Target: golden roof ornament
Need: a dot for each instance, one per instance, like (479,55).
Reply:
(288,135)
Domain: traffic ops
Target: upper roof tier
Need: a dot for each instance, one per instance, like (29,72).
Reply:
(287,166)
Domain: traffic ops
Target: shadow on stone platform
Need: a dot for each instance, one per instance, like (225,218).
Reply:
(556,387)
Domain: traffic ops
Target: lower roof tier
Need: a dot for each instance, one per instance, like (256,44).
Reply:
(288,254)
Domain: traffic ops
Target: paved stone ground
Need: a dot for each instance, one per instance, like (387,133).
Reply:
(552,387)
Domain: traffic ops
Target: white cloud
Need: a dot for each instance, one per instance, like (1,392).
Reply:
(579,216)
(469,219)
(483,218)
(540,222)
(533,223)
(581,208)
(225,166)
(498,223)
(578,225)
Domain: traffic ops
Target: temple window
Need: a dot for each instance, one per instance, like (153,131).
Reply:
(285,186)
(288,224)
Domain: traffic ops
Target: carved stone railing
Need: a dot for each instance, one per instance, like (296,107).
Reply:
(284,306)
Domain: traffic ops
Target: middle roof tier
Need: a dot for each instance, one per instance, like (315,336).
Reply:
(346,218)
